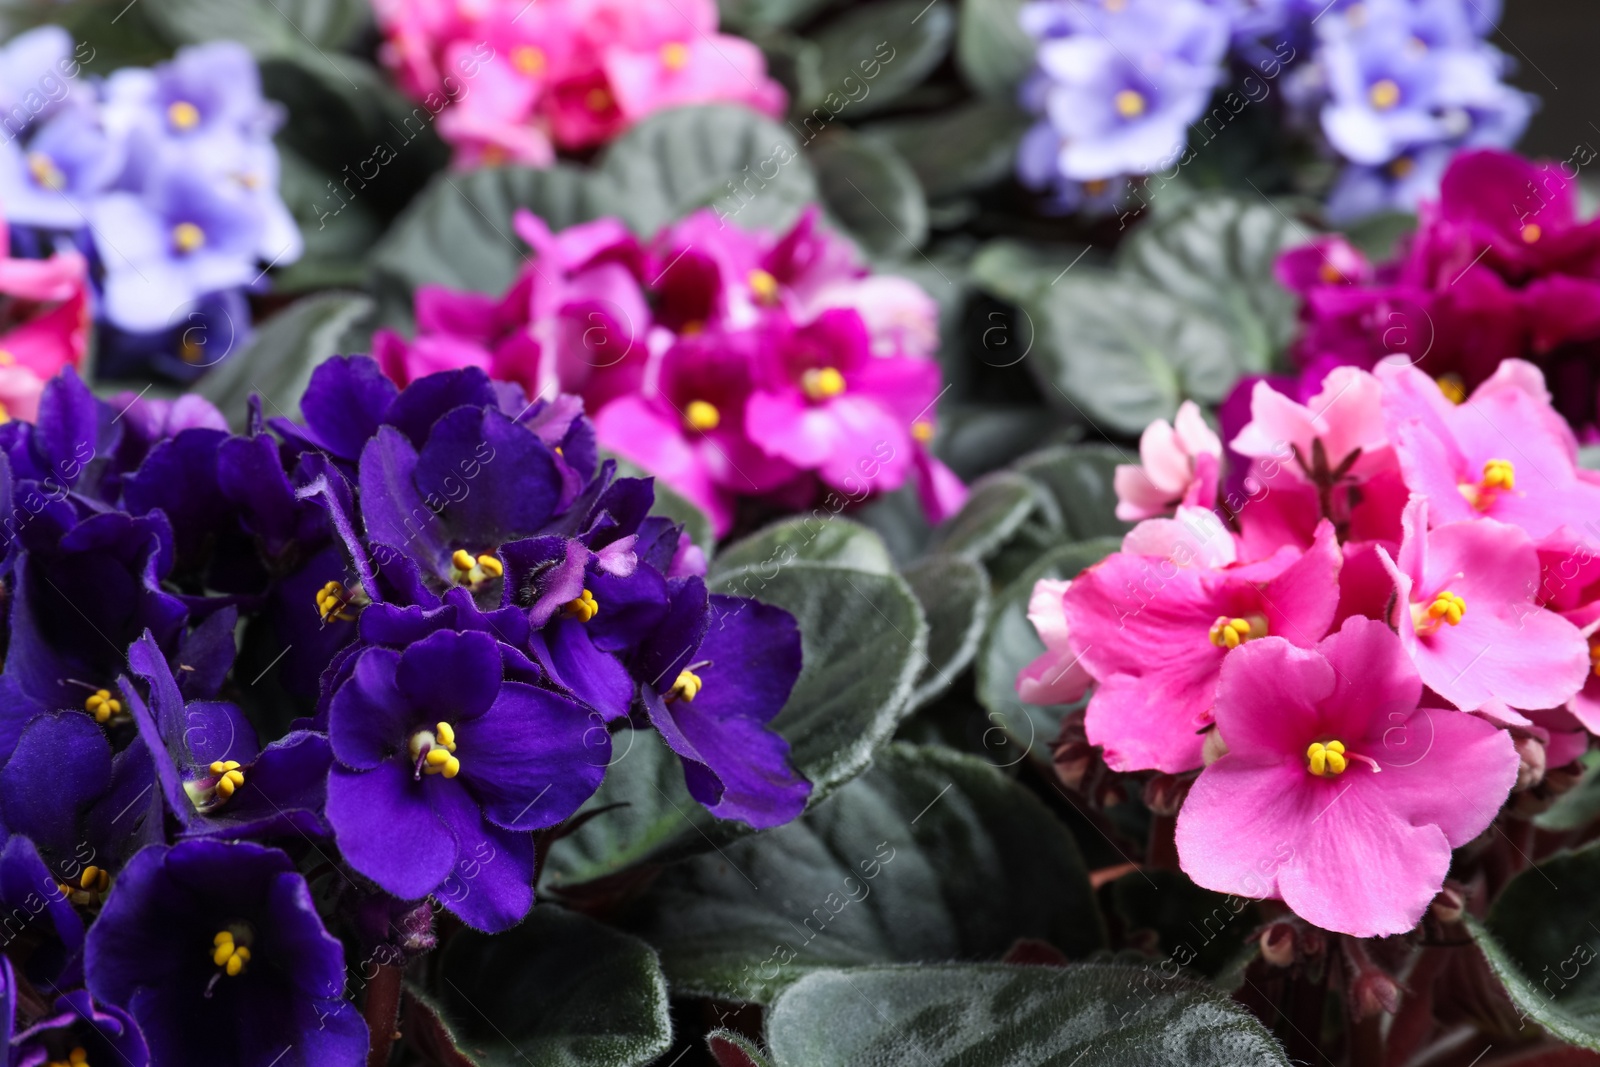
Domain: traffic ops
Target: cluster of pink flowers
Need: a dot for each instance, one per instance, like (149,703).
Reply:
(44,324)
(728,363)
(514,80)
(1500,267)
(1363,651)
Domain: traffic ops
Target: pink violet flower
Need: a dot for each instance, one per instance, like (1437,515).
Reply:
(44,324)
(1467,612)
(1179,463)
(1323,800)
(1154,623)
(1056,676)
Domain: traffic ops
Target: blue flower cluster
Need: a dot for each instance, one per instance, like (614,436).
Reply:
(458,603)
(167,176)
(1396,87)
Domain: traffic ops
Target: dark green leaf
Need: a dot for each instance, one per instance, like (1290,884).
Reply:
(1019,271)
(993,1015)
(1578,806)
(1114,349)
(817,539)
(1079,479)
(901,40)
(993,52)
(1012,643)
(1541,941)
(959,151)
(561,990)
(1377,235)
(741,15)
(999,504)
(954,594)
(872,192)
(1216,253)
(337,238)
(267,27)
(1196,928)
(278,361)
(740,164)
(931,855)
(110,34)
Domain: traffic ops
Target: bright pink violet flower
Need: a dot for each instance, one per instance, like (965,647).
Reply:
(1467,613)
(44,324)
(1359,844)
(1056,676)
(1154,623)
(1179,463)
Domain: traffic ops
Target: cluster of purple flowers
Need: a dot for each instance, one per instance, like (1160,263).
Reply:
(1395,86)
(167,177)
(462,600)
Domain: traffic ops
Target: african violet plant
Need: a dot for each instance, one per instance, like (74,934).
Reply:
(789,533)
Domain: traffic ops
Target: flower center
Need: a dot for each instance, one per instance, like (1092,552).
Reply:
(187,237)
(1453,388)
(230,949)
(674,55)
(1498,476)
(93,884)
(1446,607)
(474,572)
(183,115)
(686,687)
(583,607)
(1385,94)
(528,60)
(822,384)
(334,601)
(1532,232)
(45,172)
(78,1057)
(1327,759)
(1129,103)
(764,286)
(1231,633)
(102,705)
(922,431)
(702,415)
(433,751)
(597,99)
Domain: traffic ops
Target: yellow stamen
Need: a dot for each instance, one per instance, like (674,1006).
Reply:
(229,777)
(183,115)
(334,601)
(691,329)
(446,735)
(45,172)
(674,55)
(474,571)
(1329,273)
(1447,606)
(1385,94)
(1231,633)
(102,705)
(78,1057)
(1532,232)
(583,608)
(528,60)
(922,431)
(491,566)
(764,286)
(686,687)
(1129,103)
(702,415)
(187,237)
(435,750)
(230,950)
(1096,186)
(597,99)
(1594,655)
(6,358)
(94,880)
(1498,476)
(1325,759)
(1453,388)
(822,384)
(1402,167)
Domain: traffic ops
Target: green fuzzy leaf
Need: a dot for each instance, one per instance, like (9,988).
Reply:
(873,192)
(1011,643)
(993,52)
(816,539)
(954,594)
(977,1015)
(1017,272)
(931,855)
(1541,941)
(741,16)
(958,151)
(560,990)
(740,164)
(1196,928)
(1216,254)
(278,361)
(1578,806)
(266,27)
(902,40)
(999,504)
(735,1050)
(1079,479)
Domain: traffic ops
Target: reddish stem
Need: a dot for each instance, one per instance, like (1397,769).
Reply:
(382,1012)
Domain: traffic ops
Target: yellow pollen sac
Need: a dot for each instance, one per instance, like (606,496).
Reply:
(1499,474)
(440,761)
(528,60)
(1326,759)
(78,1057)
(674,55)
(102,705)
(597,99)
(686,687)
(1532,232)
(474,571)
(1453,388)
(334,601)
(1447,606)
(922,431)
(1402,167)
(584,607)
(702,415)
(183,115)
(1231,633)
(1129,103)
(1384,94)
(445,734)
(230,950)
(229,777)
(764,286)
(1594,658)
(1329,273)
(822,384)
(45,172)
(187,237)
(94,880)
